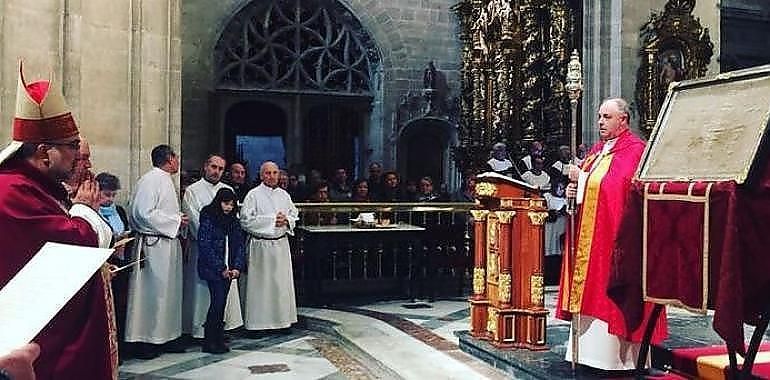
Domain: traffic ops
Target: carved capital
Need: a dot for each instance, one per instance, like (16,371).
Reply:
(479,215)
(537,217)
(479,281)
(504,287)
(505,217)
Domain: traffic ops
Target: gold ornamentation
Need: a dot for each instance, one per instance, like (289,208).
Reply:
(674,47)
(486,189)
(505,217)
(537,218)
(504,287)
(492,321)
(536,203)
(479,215)
(479,281)
(492,267)
(536,289)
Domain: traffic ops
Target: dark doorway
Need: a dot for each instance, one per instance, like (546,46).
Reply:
(332,138)
(255,132)
(424,143)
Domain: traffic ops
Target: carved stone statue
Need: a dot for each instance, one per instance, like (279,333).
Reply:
(429,76)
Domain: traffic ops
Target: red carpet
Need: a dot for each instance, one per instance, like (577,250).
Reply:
(711,362)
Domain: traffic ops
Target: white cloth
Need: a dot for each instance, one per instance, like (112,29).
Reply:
(499,165)
(154,311)
(195,301)
(583,175)
(99,225)
(602,350)
(542,181)
(554,231)
(527,160)
(270,300)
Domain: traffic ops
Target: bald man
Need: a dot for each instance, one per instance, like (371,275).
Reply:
(82,168)
(268,216)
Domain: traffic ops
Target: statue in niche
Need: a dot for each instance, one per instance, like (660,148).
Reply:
(429,77)
(670,63)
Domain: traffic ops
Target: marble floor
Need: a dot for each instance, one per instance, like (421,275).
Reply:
(382,340)
(379,340)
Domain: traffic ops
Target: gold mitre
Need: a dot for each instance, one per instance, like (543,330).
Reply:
(41,115)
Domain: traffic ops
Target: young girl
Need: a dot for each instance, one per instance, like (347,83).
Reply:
(220,260)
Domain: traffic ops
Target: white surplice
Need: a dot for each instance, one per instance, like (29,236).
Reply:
(601,350)
(195,302)
(270,300)
(154,312)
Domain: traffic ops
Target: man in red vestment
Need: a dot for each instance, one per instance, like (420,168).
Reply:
(603,183)
(79,342)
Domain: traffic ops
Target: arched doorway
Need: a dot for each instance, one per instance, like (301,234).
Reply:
(423,150)
(332,138)
(255,132)
(314,60)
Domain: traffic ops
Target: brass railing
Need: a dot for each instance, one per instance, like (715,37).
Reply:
(430,261)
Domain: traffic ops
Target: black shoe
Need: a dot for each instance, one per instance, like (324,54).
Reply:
(283,331)
(176,346)
(213,348)
(255,334)
(145,351)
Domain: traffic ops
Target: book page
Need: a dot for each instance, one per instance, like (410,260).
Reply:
(40,289)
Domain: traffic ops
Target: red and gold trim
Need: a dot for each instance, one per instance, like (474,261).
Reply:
(587,228)
(53,128)
(660,195)
(112,337)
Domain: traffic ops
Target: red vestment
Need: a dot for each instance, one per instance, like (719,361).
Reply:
(79,342)
(583,285)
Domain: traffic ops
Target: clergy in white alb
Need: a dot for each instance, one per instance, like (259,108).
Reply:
(268,216)
(154,312)
(195,302)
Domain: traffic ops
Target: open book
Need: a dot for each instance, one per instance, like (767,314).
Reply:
(40,289)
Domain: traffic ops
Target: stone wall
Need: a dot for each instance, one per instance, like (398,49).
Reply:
(120,70)
(611,43)
(408,33)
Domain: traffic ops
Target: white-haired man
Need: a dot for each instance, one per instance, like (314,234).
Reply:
(268,216)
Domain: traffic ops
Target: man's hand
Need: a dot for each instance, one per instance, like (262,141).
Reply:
(185,220)
(235,274)
(571,190)
(280,220)
(18,363)
(574,172)
(226,274)
(88,194)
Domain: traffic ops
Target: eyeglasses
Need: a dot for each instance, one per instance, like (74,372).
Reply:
(74,145)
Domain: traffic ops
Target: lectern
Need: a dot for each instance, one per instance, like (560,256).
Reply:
(507,301)
(696,233)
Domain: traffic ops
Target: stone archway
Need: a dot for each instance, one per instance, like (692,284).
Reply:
(299,55)
(424,150)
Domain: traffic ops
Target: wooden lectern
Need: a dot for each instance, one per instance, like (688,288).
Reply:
(507,301)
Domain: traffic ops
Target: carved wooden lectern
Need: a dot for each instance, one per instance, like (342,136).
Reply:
(507,301)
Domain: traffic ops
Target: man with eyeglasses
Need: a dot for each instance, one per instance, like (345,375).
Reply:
(34,209)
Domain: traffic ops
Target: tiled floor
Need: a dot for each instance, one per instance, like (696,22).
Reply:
(382,340)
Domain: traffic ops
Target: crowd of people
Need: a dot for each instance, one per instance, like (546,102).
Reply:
(178,276)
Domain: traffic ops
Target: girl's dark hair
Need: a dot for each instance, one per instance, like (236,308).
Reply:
(214,209)
(108,181)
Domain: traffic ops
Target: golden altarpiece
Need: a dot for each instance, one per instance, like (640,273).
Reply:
(507,303)
(514,66)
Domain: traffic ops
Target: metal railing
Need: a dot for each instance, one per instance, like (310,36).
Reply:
(426,253)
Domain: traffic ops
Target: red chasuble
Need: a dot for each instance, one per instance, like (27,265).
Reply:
(79,343)
(583,285)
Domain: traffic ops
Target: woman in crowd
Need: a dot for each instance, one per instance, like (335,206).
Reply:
(221,259)
(116,216)
(360,191)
